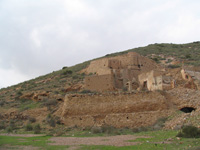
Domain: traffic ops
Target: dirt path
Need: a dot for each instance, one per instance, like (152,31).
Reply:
(120,140)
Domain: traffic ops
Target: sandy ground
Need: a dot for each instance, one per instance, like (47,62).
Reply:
(120,140)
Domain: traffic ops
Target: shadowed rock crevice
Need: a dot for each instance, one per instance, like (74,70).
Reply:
(187,109)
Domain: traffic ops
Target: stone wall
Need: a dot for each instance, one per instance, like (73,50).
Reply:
(118,110)
(100,83)
(128,110)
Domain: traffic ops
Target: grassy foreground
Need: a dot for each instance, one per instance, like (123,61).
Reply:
(10,142)
(158,140)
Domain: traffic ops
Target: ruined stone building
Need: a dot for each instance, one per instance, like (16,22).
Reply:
(155,80)
(121,72)
(151,80)
(192,76)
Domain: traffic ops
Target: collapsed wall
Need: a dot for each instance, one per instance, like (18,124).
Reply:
(118,110)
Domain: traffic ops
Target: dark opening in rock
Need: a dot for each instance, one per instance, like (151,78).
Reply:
(187,109)
(60,100)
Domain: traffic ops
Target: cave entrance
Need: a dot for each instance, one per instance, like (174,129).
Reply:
(187,109)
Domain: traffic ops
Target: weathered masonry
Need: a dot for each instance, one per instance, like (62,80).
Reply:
(117,72)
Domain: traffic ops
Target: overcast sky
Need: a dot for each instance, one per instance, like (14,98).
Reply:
(41,36)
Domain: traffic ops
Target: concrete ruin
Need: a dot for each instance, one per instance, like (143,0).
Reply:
(119,72)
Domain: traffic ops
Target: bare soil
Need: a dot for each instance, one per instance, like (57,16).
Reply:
(120,140)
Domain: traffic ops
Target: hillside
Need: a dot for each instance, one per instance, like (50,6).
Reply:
(43,95)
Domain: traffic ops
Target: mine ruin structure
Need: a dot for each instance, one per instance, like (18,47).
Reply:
(117,110)
(130,71)
(192,76)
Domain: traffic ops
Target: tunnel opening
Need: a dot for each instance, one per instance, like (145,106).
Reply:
(187,109)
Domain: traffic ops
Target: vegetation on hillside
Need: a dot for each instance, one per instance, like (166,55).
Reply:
(189,53)
(55,84)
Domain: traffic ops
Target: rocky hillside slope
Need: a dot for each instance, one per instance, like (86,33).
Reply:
(38,99)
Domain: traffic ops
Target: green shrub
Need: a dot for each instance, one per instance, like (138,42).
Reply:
(106,130)
(28,127)
(109,130)
(189,132)
(83,74)
(32,119)
(64,68)
(96,130)
(56,132)
(67,72)
(173,66)
(2,125)
(50,120)
(187,56)
(156,59)
(2,103)
(9,129)
(37,129)
(19,93)
(25,100)
(86,91)
(12,124)
(144,129)
(58,120)
(75,77)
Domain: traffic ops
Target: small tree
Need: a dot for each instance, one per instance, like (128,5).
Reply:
(37,129)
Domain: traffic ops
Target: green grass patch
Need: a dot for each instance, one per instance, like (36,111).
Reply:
(158,140)
(40,142)
(28,104)
(155,140)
